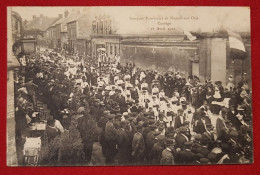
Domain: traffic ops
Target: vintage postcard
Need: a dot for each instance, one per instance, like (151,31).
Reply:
(114,86)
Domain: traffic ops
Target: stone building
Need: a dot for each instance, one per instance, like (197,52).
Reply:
(14,22)
(79,30)
(104,36)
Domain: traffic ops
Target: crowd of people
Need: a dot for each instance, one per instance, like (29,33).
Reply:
(145,116)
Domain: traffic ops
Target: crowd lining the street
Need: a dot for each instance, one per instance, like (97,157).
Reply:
(145,116)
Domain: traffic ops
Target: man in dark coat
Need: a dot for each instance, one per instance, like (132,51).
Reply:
(111,139)
(156,151)
(200,126)
(124,145)
(181,138)
(203,150)
(180,119)
(167,153)
(102,124)
(149,141)
(186,156)
(87,139)
(138,147)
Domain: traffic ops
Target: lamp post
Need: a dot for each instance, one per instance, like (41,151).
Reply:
(28,46)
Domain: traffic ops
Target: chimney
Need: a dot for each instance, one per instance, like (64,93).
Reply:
(34,16)
(60,16)
(66,13)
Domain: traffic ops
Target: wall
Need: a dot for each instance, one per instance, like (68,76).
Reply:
(218,59)
(11,145)
(84,27)
(80,46)
(161,52)
(162,58)
(10,118)
(204,58)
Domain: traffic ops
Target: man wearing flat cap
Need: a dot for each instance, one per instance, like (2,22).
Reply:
(181,137)
(149,141)
(102,124)
(111,139)
(204,161)
(186,156)
(124,145)
(156,151)
(167,153)
(138,146)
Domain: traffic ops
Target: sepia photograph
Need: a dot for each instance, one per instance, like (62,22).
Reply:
(129,85)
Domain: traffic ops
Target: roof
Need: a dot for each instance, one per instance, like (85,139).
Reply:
(70,18)
(59,21)
(42,23)
(74,17)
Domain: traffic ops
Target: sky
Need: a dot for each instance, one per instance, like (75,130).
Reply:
(160,19)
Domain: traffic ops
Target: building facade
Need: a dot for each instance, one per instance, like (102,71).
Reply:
(79,30)
(104,36)
(41,28)
(14,22)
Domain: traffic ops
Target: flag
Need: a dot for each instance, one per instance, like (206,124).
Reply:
(237,47)
(190,36)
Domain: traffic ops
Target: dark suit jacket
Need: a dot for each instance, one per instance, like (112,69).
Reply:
(180,140)
(149,141)
(178,122)
(124,146)
(138,147)
(156,153)
(203,151)
(199,127)
(167,158)
(186,157)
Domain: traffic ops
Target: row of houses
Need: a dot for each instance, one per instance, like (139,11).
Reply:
(77,31)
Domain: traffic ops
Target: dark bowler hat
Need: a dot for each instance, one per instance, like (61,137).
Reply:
(182,129)
(111,116)
(156,133)
(161,127)
(123,123)
(152,126)
(186,122)
(197,136)
(131,119)
(188,144)
(204,161)
(170,135)
(146,113)
(160,137)
(170,142)
(139,127)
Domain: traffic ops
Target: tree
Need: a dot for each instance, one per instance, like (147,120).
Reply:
(65,149)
